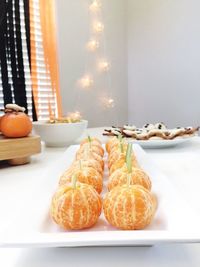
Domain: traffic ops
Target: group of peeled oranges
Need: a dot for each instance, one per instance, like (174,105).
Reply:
(128,204)
(15,122)
(77,203)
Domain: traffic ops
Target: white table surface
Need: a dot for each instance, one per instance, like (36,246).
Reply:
(181,164)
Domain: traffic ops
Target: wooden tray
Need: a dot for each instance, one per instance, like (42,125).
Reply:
(18,150)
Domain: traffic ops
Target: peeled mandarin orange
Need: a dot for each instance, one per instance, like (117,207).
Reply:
(112,141)
(120,163)
(96,149)
(119,148)
(94,141)
(115,155)
(76,208)
(120,177)
(120,157)
(86,175)
(90,155)
(129,207)
(77,164)
(16,124)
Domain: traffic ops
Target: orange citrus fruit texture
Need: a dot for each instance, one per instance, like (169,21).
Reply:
(86,175)
(79,207)
(120,176)
(76,208)
(128,205)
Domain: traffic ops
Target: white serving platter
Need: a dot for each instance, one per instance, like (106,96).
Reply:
(175,221)
(160,143)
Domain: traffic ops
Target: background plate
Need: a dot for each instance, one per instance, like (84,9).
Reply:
(160,143)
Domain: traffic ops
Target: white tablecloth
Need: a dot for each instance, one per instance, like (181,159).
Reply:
(180,164)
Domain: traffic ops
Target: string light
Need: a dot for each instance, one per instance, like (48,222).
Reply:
(95,6)
(104,66)
(98,27)
(86,82)
(92,45)
(108,102)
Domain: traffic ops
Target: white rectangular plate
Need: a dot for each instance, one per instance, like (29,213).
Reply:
(175,221)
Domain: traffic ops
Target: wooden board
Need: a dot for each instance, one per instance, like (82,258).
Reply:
(19,148)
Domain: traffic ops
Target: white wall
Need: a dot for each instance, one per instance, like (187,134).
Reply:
(164,61)
(72,18)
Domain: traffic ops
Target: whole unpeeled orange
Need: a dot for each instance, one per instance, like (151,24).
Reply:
(16,124)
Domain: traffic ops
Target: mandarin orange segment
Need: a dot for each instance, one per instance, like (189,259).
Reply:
(129,207)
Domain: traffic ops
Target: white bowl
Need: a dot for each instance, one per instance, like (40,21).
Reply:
(59,134)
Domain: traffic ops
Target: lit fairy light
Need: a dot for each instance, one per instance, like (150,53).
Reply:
(98,27)
(86,82)
(92,45)
(108,102)
(104,66)
(95,6)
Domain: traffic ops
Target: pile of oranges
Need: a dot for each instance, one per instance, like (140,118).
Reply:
(128,204)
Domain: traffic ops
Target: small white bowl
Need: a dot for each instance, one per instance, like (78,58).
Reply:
(59,134)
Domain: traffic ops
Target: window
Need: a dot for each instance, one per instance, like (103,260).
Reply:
(25,69)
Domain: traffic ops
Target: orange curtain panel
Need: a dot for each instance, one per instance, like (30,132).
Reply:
(48,31)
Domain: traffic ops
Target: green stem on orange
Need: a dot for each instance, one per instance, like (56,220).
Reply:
(80,164)
(86,151)
(129,163)
(129,175)
(74,180)
(121,148)
(120,138)
(90,140)
(129,157)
